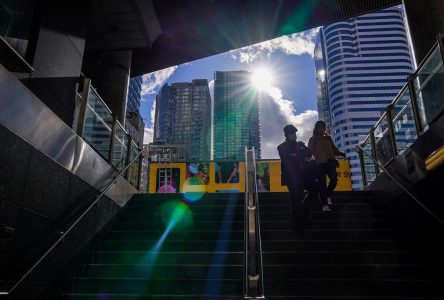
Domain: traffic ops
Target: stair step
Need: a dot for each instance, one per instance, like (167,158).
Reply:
(355,205)
(342,245)
(265,225)
(346,257)
(157,286)
(356,271)
(156,271)
(267,235)
(171,245)
(196,224)
(354,287)
(168,257)
(196,234)
(114,296)
(211,216)
(332,297)
(197,208)
(333,215)
(265,215)
(284,199)
(312,234)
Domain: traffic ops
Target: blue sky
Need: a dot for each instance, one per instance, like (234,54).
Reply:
(290,99)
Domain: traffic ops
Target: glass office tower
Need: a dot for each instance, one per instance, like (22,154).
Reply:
(183,116)
(236,115)
(367,61)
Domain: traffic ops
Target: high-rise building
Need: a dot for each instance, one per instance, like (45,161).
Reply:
(134,123)
(236,116)
(183,116)
(367,62)
(322,87)
(134,94)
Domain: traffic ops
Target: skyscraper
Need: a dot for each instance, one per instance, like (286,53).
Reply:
(321,82)
(367,62)
(134,94)
(183,116)
(134,122)
(236,116)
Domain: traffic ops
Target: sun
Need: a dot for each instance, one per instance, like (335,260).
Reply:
(262,79)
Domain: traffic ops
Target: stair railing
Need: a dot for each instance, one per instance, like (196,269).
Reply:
(253,267)
(417,106)
(66,232)
(362,152)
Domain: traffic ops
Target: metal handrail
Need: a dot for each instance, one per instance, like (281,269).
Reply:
(99,117)
(406,86)
(360,149)
(253,282)
(64,234)
(101,100)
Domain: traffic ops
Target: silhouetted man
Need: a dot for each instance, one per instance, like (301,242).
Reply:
(297,174)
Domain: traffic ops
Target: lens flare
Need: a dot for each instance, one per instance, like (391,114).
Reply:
(262,79)
(193,190)
(176,214)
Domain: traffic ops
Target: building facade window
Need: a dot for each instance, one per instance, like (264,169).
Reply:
(365,62)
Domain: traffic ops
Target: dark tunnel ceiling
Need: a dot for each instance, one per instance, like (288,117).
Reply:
(164,33)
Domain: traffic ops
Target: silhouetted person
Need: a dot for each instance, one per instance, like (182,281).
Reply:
(297,175)
(325,152)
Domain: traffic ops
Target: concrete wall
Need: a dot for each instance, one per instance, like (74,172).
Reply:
(48,177)
(38,200)
(56,54)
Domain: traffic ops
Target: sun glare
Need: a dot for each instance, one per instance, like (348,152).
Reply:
(262,79)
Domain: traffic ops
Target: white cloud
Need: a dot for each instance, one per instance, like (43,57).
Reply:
(149,131)
(148,135)
(277,112)
(153,80)
(153,113)
(293,44)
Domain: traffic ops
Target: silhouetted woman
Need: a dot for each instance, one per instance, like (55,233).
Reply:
(325,152)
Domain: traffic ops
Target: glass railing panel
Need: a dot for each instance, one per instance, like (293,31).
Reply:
(404,122)
(383,142)
(428,85)
(97,104)
(369,166)
(401,100)
(133,171)
(98,125)
(120,149)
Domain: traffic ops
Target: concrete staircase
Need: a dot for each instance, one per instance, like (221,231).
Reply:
(356,251)
(165,247)
(168,247)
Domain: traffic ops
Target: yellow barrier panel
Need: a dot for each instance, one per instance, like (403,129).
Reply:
(210,180)
(344,180)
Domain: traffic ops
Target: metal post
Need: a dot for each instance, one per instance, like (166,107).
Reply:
(414,103)
(363,173)
(139,171)
(392,130)
(112,142)
(82,111)
(373,143)
(128,154)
